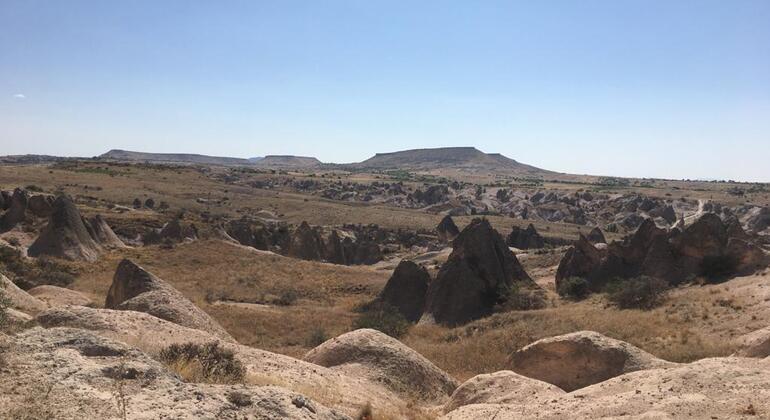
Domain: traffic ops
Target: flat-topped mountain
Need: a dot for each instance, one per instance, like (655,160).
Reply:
(287,161)
(126,155)
(448,158)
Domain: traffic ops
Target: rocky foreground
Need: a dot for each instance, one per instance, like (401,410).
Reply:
(83,362)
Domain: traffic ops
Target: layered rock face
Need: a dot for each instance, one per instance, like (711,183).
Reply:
(709,247)
(66,236)
(527,238)
(134,288)
(479,274)
(406,289)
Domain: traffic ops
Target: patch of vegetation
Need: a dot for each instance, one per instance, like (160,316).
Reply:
(203,363)
(716,269)
(522,299)
(382,317)
(28,273)
(317,337)
(641,292)
(575,288)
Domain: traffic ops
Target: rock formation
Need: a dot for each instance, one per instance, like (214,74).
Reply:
(16,209)
(306,243)
(55,296)
(102,234)
(503,387)
(447,229)
(134,288)
(525,238)
(595,236)
(479,274)
(41,205)
(177,231)
(580,359)
(19,299)
(382,359)
(406,289)
(65,236)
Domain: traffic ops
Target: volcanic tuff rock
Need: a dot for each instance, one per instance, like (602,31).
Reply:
(134,288)
(580,359)
(503,387)
(73,374)
(59,296)
(101,232)
(66,236)
(595,236)
(382,359)
(479,274)
(16,208)
(447,229)
(20,299)
(306,243)
(406,289)
(525,238)
(178,231)
(41,205)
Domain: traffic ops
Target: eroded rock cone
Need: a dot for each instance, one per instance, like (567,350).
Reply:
(41,205)
(102,233)
(580,260)
(479,274)
(595,236)
(177,231)
(447,229)
(65,236)
(306,243)
(406,289)
(17,208)
(134,288)
(580,359)
(527,238)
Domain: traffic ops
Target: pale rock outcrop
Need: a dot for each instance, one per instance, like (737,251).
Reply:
(102,233)
(382,359)
(134,288)
(59,296)
(580,359)
(754,344)
(722,388)
(503,387)
(73,374)
(19,299)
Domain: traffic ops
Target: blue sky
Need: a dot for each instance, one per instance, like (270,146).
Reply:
(676,89)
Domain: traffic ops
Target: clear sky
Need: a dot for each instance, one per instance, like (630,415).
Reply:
(676,89)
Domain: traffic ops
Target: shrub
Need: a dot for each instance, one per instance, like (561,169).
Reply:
(383,317)
(203,363)
(316,337)
(717,268)
(575,288)
(640,292)
(522,299)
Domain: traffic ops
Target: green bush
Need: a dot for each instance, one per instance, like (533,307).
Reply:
(575,288)
(383,317)
(641,292)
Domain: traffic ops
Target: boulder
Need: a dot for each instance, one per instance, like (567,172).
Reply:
(41,205)
(305,243)
(406,289)
(479,274)
(447,229)
(20,299)
(65,236)
(134,288)
(16,210)
(503,387)
(754,344)
(102,233)
(382,359)
(595,236)
(527,238)
(576,360)
(580,260)
(55,296)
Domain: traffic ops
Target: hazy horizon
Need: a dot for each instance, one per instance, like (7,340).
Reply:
(638,89)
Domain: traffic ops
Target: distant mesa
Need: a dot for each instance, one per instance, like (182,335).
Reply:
(449,157)
(287,161)
(126,155)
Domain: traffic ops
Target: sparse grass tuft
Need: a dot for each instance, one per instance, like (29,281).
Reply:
(641,292)
(208,363)
(383,317)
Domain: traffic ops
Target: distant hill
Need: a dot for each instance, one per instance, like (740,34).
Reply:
(125,155)
(463,158)
(288,161)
